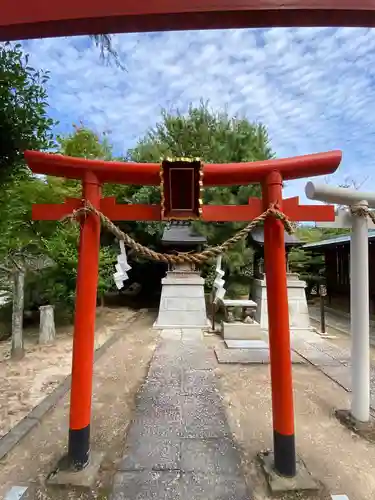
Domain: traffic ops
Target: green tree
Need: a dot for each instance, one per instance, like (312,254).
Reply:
(215,138)
(62,247)
(85,143)
(24,123)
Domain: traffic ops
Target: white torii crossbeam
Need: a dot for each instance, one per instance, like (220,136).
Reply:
(356,219)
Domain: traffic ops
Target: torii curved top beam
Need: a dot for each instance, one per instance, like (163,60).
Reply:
(45,18)
(228,174)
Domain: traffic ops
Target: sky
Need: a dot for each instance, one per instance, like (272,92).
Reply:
(313,88)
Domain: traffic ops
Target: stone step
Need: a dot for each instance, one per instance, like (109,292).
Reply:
(243,331)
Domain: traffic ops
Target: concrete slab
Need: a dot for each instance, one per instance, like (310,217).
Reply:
(195,486)
(303,481)
(340,374)
(85,478)
(249,356)
(15,493)
(192,335)
(203,420)
(211,456)
(198,382)
(162,425)
(203,360)
(246,344)
(341,355)
(171,334)
(151,453)
(146,485)
(170,376)
(315,356)
(242,331)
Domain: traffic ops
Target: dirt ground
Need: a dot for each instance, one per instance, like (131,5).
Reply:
(117,376)
(26,383)
(342,461)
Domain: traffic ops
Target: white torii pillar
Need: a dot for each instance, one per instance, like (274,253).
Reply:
(359,283)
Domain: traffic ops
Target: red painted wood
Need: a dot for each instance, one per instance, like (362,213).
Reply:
(296,167)
(121,212)
(41,18)
(211,213)
(306,213)
(54,211)
(278,316)
(106,171)
(85,312)
(230,213)
(214,174)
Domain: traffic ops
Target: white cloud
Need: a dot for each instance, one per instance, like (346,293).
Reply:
(313,88)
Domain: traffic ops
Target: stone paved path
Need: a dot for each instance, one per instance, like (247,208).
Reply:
(179,445)
(340,322)
(334,361)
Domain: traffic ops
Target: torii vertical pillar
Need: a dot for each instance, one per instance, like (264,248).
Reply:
(359,285)
(84,329)
(279,335)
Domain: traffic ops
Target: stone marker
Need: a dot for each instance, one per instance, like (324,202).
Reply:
(47,332)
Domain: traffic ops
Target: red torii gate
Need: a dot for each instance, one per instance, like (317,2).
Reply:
(271,174)
(44,18)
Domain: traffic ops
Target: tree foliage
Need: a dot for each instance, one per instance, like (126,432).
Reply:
(215,137)
(85,143)
(108,53)
(24,123)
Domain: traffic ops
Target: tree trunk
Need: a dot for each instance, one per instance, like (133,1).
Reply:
(47,332)
(17,350)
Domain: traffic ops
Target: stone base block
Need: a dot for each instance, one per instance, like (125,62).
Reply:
(242,331)
(302,482)
(182,302)
(85,478)
(246,344)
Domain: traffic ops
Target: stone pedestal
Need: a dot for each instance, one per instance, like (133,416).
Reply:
(182,302)
(242,331)
(299,319)
(238,335)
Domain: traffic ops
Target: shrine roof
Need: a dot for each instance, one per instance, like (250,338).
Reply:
(337,241)
(182,233)
(257,236)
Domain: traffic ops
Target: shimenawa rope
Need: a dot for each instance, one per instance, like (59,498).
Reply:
(362,211)
(183,257)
